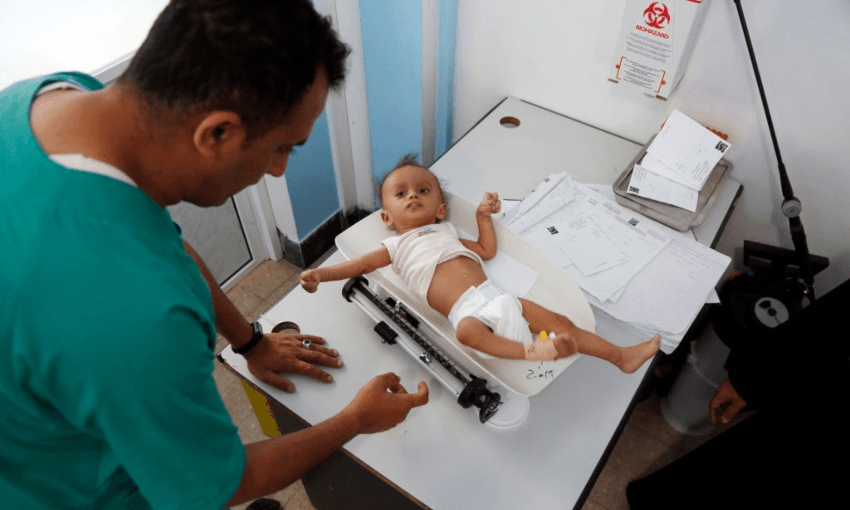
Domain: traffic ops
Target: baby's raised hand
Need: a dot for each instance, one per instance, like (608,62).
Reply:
(310,280)
(490,204)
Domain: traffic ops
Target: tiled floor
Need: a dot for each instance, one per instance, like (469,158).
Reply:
(647,442)
(253,295)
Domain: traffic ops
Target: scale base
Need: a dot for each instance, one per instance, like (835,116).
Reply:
(512,413)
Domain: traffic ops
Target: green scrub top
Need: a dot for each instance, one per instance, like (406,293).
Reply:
(106,341)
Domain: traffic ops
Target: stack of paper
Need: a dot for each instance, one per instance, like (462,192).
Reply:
(633,268)
(677,162)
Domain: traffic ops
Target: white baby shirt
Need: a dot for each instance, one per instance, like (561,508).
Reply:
(416,253)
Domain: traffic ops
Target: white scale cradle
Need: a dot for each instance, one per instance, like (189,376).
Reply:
(498,389)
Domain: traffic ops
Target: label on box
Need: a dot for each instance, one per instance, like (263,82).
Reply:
(656,41)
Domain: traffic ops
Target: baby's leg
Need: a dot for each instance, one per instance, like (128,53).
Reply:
(627,359)
(471,332)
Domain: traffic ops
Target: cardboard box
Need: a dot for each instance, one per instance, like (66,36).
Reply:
(656,42)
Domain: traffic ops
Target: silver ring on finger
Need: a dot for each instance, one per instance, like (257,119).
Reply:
(306,343)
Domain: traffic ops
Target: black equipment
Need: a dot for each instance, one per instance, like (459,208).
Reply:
(470,389)
(755,302)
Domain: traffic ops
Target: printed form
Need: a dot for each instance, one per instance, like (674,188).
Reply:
(645,183)
(677,162)
(629,266)
(688,150)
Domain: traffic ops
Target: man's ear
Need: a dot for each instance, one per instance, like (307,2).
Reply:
(219,133)
(441,211)
(386,218)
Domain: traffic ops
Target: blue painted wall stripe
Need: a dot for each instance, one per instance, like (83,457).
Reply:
(392,55)
(446,49)
(311,180)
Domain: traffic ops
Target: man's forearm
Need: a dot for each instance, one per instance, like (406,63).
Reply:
(228,319)
(276,463)
(380,405)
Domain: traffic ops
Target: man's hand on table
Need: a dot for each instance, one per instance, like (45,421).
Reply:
(282,352)
(383,403)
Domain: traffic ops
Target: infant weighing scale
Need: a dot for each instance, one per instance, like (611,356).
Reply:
(499,389)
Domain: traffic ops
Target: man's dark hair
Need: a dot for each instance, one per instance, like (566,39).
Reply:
(253,57)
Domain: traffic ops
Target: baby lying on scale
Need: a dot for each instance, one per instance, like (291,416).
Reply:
(446,271)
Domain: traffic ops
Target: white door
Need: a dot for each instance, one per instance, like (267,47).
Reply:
(218,235)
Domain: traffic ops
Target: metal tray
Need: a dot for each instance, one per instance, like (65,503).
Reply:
(670,215)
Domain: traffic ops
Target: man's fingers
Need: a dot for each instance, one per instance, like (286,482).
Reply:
(316,351)
(398,388)
(388,380)
(313,371)
(317,346)
(393,383)
(312,338)
(324,357)
(298,338)
(717,408)
(726,403)
(732,411)
(274,379)
(421,397)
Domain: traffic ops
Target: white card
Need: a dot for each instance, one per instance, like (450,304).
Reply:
(650,185)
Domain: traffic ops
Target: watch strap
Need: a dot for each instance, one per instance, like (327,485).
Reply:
(255,339)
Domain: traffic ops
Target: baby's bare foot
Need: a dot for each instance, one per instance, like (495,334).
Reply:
(633,357)
(565,344)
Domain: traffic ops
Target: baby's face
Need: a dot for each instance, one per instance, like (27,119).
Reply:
(411,199)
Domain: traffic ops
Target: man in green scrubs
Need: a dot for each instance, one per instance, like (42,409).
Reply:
(106,322)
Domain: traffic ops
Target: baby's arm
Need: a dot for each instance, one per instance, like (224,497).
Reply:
(486,245)
(311,278)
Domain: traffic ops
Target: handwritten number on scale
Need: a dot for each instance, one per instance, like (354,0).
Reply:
(539,372)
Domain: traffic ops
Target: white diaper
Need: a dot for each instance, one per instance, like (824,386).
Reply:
(499,310)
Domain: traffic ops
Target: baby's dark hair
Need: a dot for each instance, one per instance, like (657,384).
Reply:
(408,160)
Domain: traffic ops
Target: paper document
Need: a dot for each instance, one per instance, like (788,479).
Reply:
(552,195)
(634,235)
(689,151)
(644,183)
(590,249)
(666,276)
(624,241)
(586,245)
(672,288)
(542,240)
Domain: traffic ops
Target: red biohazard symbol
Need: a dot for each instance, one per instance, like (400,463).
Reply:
(656,15)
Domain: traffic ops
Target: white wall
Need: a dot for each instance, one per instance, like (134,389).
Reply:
(57,35)
(557,54)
